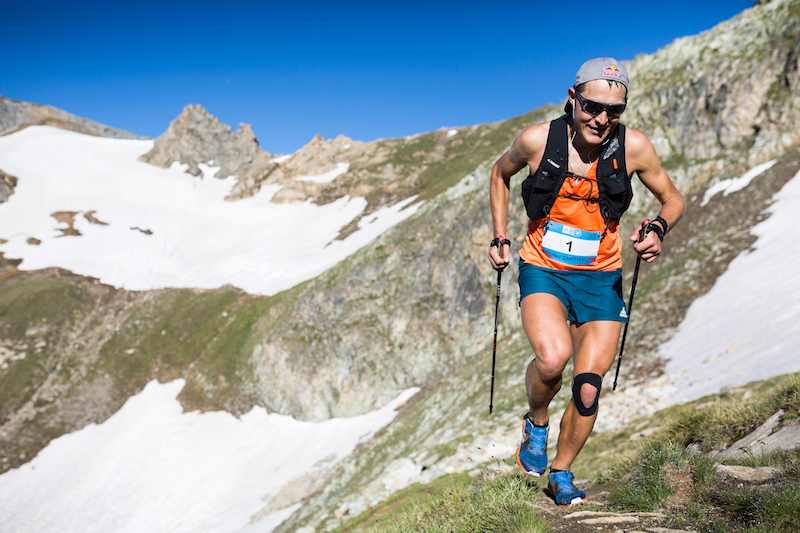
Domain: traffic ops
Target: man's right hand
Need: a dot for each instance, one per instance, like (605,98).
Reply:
(499,263)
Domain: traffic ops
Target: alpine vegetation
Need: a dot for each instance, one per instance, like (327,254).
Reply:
(316,329)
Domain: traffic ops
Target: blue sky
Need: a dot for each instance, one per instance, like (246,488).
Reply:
(293,69)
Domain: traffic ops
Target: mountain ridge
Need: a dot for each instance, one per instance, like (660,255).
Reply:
(340,344)
(16,115)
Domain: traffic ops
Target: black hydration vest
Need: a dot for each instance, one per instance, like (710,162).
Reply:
(540,189)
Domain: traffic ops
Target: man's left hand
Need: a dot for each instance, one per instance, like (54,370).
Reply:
(649,248)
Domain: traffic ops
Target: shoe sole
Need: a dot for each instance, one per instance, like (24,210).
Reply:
(529,472)
(575,501)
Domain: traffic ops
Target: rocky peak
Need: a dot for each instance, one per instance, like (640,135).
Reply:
(197,136)
(317,139)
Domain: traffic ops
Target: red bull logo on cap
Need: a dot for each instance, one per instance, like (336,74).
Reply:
(612,72)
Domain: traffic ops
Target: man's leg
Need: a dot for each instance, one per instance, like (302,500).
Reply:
(595,345)
(544,318)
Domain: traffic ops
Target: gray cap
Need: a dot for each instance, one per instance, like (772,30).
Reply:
(602,68)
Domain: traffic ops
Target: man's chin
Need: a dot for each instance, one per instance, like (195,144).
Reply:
(593,137)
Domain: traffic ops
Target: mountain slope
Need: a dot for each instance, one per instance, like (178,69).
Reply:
(414,307)
(16,115)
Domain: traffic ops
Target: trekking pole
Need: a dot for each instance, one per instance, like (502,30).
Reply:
(645,222)
(496,313)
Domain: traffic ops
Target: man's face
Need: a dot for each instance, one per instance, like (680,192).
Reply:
(594,129)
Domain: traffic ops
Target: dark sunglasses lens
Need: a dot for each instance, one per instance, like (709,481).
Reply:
(595,108)
(592,107)
(615,110)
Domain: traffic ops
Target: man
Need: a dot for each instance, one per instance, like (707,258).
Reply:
(570,263)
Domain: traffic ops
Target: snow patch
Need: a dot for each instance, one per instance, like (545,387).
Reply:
(167,228)
(280,159)
(152,467)
(327,177)
(736,184)
(747,327)
(450,133)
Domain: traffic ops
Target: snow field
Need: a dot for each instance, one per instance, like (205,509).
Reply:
(747,327)
(151,467)
(198,239)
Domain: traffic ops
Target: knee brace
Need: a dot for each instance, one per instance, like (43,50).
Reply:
(593,380)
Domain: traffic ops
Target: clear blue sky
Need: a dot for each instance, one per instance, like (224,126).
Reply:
(369,70)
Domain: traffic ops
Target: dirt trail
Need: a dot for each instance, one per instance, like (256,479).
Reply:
(591,516)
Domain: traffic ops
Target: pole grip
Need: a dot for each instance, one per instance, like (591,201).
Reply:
(643,230)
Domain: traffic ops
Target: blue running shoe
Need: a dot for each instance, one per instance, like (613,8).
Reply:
(532,451)
(563,490)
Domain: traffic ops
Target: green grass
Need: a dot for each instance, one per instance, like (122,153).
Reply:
(752,509)
(404,501)
(47,306)
(722,423)
(650,485)
(502,503)
(665,465)
(205,337)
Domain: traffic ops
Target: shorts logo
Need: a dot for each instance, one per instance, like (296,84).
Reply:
(623,314)
(612,72)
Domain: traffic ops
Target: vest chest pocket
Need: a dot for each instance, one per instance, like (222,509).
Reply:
(618,192)
(537,191)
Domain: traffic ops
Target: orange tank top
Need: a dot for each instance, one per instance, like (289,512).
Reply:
(574,236)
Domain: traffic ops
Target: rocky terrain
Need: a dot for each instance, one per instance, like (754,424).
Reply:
(197,137)
(15,115)
(415,307)
(723,100)
(7,184)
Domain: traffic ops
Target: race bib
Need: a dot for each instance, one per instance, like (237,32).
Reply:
(571,246)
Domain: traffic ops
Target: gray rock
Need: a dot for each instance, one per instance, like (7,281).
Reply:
(761,474)
(7,184)
(617,519)
(788,438)
(197,136)
(746,446)
(16,115)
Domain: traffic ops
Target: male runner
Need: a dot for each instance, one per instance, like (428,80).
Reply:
(570,263)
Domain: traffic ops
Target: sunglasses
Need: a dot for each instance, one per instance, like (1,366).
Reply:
(595,108)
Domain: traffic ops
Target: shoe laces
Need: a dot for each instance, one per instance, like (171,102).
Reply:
(563,482)
(538,439)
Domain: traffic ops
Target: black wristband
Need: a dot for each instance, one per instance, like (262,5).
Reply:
(657,229)
(662,222)
(498,241)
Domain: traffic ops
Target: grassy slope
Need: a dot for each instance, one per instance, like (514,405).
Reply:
(640,474)
(88,347)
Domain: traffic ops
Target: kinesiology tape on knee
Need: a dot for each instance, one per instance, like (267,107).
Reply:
(595,381)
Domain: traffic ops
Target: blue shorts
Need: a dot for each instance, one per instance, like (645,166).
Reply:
(587,295)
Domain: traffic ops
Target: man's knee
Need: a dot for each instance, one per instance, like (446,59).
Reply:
(586,393)
(551,358)
(550,364)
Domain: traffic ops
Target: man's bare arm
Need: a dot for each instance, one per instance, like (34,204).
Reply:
(523,151)
(642,159)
